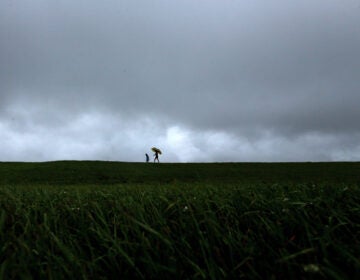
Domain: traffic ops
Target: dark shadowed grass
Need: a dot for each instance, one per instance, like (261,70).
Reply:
(107,173)
(180,230)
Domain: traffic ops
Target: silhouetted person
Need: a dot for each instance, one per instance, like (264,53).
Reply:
(147,157)
(156,155)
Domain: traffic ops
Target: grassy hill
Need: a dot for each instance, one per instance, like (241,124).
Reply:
(102,172)
(111,220)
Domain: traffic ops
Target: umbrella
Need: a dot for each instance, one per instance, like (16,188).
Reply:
(156,150)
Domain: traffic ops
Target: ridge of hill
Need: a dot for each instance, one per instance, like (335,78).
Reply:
(112,172)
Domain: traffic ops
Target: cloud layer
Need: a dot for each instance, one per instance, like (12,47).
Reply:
(203,80)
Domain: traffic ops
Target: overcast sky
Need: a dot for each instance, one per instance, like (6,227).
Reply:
(203,80)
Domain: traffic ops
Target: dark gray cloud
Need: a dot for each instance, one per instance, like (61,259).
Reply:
(267,80)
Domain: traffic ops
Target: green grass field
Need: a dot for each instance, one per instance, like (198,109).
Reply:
(114,220)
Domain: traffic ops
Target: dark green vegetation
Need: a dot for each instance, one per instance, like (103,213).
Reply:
(97,220)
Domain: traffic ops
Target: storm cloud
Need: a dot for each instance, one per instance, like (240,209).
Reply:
(231,80)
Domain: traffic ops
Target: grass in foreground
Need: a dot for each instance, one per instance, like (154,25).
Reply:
(180,230)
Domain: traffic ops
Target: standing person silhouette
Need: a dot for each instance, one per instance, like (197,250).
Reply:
(156,156)
(147,157)
(157,152)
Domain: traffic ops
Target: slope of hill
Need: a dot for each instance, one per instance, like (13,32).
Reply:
(103,172)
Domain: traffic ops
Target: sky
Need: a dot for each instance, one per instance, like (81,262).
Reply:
(203,80)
